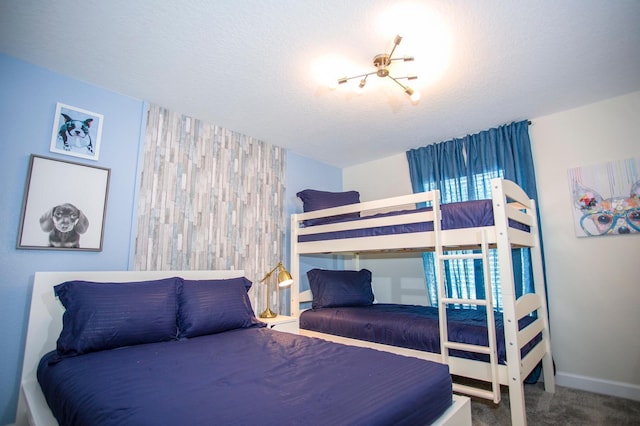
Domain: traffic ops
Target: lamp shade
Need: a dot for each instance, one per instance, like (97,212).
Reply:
(284,278)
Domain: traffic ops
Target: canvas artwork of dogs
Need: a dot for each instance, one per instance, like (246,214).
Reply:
(64,223)
(615,215)
(76,131)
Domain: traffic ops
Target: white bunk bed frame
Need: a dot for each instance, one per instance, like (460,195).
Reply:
(45,325)
(510,202)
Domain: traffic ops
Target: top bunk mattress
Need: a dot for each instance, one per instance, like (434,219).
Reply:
(467,214)
(244,376)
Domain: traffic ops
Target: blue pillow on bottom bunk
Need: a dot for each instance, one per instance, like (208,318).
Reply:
(340,288)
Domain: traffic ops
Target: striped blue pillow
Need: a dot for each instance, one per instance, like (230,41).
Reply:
(103,316)
(214,306)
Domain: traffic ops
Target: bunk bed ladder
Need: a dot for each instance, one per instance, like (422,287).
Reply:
(444,300)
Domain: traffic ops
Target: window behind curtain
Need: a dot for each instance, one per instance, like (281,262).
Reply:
(464,278)
(462,170)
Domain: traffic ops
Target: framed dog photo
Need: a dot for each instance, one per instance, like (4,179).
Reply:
(76,132)
(64,206)
(606,198)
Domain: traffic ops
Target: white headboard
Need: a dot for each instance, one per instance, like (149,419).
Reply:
(45,324)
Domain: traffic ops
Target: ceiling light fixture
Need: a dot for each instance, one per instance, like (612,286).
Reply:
(382,62)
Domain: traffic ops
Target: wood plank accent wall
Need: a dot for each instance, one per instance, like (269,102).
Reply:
(210,198)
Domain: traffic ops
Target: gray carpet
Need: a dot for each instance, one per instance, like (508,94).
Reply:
(565,407)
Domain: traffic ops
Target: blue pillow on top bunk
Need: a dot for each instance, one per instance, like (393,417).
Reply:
(214,306)
(340,288)
(101,316)
(313,200)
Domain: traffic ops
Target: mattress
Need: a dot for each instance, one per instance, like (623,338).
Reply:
(411,326)
(244,377)
(467,214)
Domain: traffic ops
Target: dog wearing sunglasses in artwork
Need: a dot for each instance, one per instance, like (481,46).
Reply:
(615,215)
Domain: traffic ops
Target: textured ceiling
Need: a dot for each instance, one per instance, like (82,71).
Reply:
(252,66)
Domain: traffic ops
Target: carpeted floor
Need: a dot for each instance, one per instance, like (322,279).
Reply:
(565,407)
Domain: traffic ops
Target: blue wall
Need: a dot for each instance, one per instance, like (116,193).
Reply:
(28,97)
(304,173)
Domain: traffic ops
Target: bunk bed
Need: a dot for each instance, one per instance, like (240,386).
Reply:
(403,224)
(184,347)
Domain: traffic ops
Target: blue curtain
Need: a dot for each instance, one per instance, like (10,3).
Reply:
(462,170)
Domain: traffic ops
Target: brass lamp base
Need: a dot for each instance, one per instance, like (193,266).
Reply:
(268,313)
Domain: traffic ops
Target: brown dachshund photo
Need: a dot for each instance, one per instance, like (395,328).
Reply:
(64,223)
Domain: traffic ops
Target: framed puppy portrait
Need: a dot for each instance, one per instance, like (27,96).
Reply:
(64,206)
(76,132)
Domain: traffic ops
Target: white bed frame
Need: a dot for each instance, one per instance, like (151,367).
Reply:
(509,202)
(45,324)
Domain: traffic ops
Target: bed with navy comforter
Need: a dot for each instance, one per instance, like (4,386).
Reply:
(459,215)
(411,326)
(246,376)
(174,351)
(339,224)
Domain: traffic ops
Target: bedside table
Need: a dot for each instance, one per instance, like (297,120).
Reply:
(282,323)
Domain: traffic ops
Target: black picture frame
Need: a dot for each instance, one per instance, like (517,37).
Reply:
(64,205)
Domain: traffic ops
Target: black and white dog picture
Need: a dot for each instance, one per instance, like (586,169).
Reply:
(64,224)
(76,132)
(64,206)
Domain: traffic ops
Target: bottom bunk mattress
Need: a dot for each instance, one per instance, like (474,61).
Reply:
(410,326)
(244,377)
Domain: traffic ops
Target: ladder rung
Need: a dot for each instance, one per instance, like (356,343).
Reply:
(467,347)
(469,390)
(450,300)
(461,256)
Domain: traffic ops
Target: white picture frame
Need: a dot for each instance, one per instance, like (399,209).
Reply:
(76,132)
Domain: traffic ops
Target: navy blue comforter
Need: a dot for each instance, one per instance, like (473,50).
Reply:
(244,377)
(410,326)
(466,214)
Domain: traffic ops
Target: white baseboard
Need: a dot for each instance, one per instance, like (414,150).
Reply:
(605,387)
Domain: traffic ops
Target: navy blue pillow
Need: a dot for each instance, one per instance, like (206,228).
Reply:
(340,288)
(313,200)
(101,316)
(214,306)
